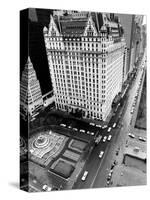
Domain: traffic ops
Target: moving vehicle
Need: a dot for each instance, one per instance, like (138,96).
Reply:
(109,129)
(101,154)
(104,138)
(114,125)
(84,175)
(109,137)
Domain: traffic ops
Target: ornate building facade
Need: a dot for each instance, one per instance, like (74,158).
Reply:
(31,100)
(87,57)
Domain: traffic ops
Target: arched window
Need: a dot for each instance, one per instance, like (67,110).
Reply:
(89,32)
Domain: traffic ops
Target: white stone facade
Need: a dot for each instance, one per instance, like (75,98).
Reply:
(85,62)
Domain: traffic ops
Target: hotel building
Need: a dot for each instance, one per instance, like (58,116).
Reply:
(30,92)
(87,57)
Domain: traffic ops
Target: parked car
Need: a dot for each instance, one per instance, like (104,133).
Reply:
(101,154)
(109,137)
(131,135)
(69,127)
(46,188)
(92,124)
(75,129)
(82,131)
(142,139)
(105,126)
(98,125)
(132,111)
(104,138)
(92,133)
(84,176)
(63,125)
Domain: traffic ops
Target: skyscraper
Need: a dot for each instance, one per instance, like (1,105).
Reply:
(30,92)
(136,39)
(86,55)
(127,23)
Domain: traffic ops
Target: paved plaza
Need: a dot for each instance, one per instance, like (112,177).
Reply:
(58,155)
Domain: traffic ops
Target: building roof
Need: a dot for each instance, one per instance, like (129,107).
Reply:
(135,152)
(75,24)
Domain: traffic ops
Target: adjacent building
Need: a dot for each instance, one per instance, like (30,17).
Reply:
(136,40)
(87,58)
(31,100)
(132,32)
(127,23)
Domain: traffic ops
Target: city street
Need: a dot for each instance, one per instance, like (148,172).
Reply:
(99,168)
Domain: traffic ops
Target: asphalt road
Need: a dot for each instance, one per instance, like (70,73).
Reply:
(95,164)
(98,168)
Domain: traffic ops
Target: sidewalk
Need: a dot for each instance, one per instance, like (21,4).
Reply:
(77,171)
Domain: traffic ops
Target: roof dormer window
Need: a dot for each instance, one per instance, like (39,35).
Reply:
(53,32)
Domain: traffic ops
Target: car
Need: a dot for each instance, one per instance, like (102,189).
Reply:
(92,133)
(142,139)
(109,175)
(75,129)
(69,127)
(114,125)
(92,124)
(131,135)
(88,132)
(82,131)
(84,175)
(34,181)
(105,126)
(131,112)
(109,129)
(109,137)
(101,154)
(104,138)
(98,125)
(46,188)
(110,172)
(63,125)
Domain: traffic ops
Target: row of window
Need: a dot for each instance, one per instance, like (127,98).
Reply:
(90,113)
